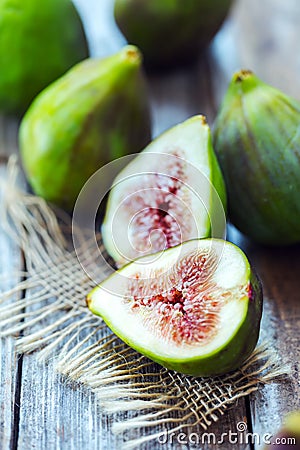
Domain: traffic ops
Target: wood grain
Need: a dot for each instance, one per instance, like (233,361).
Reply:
(55,414)
(8,137)
(262,35)
(11,261)
(267,36)
(279,270)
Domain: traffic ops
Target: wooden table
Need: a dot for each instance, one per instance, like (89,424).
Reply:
(38,410)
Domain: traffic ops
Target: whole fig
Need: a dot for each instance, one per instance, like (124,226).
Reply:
(96,112)
(39,41)
(257,141)
(170,32)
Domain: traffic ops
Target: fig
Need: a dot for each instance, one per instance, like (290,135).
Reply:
(170,32)
(96,112)
(171,192)
(257,141)
(289,435)
(194,308)
(39,42)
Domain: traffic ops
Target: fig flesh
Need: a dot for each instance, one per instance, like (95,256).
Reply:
(171,192)
(97,112)
(172,32)
(194,308)
(39,42)
(257,141)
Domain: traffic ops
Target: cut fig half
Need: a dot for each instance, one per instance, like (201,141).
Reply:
(171,192)
(194,308)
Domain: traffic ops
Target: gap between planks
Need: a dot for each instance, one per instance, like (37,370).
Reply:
(19,371)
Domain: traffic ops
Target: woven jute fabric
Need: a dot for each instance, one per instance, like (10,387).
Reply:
(52,320)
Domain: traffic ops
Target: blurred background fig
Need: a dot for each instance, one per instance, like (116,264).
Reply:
(288,437)
(95,113)
(170,32)
(257,142)
(39,42)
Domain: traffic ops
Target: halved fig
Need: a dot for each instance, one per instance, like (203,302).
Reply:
(194,308)
(171,192)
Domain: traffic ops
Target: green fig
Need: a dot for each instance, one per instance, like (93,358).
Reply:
(96,112)
(170,31)
(257,141)
(288,438)
(39,42)
(194,308)
(171,192)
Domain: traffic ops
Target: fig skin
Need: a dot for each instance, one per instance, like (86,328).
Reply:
(257,141)
(97,112)
(172,32)
(289,430)
(39,42)
(225,358)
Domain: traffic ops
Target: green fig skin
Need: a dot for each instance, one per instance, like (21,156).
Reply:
(39,42)
(257,141)
(225,359)
(288,438)
(97,112)
(170,32)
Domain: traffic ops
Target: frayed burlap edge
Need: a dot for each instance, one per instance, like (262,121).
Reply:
(54,321)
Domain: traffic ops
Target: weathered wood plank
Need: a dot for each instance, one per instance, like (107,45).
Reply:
(8,136)
(103,35)
(180,94)
(271,52)
(10,365)
(267,36)
(279,270)
(55,415)
(263,36)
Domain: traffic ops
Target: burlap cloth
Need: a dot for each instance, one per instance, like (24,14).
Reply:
(53,321)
